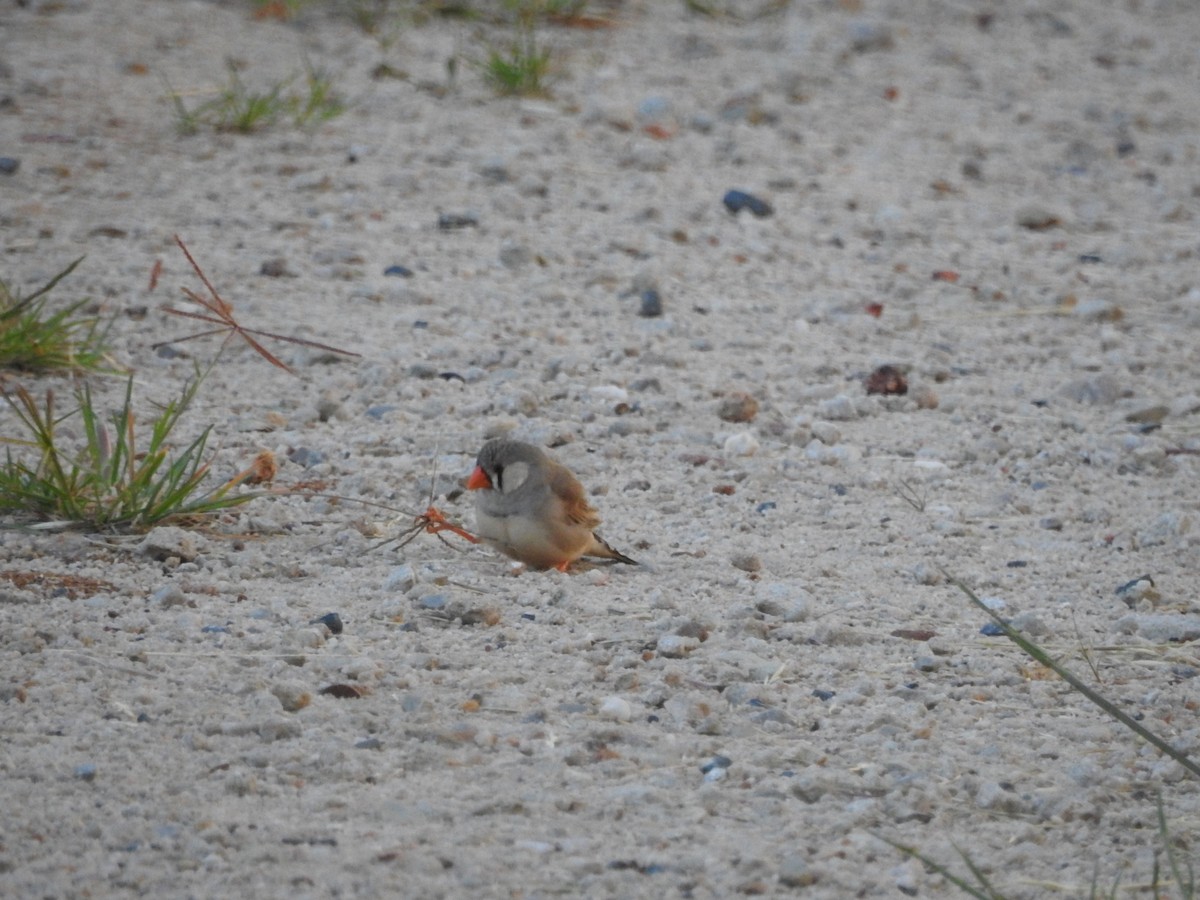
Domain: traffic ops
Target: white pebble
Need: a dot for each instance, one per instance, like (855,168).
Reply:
(610,392)
(400,578)
(743,443)
(674,646)
(617,709)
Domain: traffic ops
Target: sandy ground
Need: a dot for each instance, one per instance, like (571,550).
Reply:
(790,677)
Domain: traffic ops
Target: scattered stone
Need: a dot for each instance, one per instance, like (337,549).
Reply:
(735,201)
(866,37)
(168,541)
(457,221)
(275,268)
(343,691)
(716,763)
(86,772)
(292,696)
(618,709)
(838,409)
(332,621)
(925,397)
(826,432)
(887,380)
(1150,415)
(737,407)
(747,562)
(170,595)
(676,646)
(401,578)
(743,443)
(9,165)
(991,629)
(398,272)
(795,873)
(823,695)
(433,602)
(306,457)
(651,304)
(1038,218)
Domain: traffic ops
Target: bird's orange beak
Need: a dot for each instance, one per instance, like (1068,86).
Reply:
(478,480)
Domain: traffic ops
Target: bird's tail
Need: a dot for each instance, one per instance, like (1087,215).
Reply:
(603,549)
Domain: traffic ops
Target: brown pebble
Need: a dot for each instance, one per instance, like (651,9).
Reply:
(275,268)
(737,407)
(887,380)
(926,397)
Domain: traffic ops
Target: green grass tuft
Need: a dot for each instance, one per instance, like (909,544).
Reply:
(520,68)
(239,109)
(119,479)
(33,340)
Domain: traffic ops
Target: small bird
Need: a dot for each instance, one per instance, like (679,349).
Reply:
(533,509)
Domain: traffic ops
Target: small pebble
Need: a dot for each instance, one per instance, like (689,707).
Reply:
(456,221)
(737,407)
(1038,218)
(306,457)
(826,432)
(9,165)
(169,595)
(735,201)
(676,646)
(274,268)
(747,562)
(433,602)
(717,762)
(823,694)
(887,380)
(400,578)
(618,709)
(293,696)
(86,772)
(369,744)
(651,304)
(991,629)
(332,621)
(398,272)
(766,505)
(741,444)
(838,409)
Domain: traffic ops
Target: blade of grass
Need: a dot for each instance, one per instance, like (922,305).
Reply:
(17,308)
(986,892)
(1066,675)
